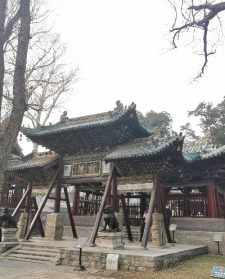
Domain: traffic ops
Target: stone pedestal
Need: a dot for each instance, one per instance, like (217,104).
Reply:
(112,240)
(22,223)
(112,262)
(119,217)
(54,226)
(9,234)
(158,235)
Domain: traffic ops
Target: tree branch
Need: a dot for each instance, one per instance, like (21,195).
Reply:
(200,18)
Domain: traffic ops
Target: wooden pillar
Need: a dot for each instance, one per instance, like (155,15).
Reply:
(143,204)
(126,217)
(149,215)
(39,222)
(213,211)
(163,210)
(58,186)
(76,202)
(102,206)
(72,224)
(57,197)
(28,207)
(114,193)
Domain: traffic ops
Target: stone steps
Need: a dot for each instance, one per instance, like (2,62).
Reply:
(33,253)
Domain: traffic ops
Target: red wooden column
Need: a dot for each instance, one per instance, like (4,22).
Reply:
(213,210)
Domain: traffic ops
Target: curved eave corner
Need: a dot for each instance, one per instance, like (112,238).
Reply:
(214,154)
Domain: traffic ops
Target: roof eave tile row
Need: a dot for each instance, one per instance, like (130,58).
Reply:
(69,125)
(145,151)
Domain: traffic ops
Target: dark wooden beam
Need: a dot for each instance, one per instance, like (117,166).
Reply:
(70,213)
(149,215)
(100,212)
(83,180)
(53,198)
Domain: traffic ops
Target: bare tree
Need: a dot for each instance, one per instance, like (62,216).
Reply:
(13,15)
(49,81)
(48,78)
(198,18)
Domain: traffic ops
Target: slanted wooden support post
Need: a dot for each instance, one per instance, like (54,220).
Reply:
(70,213)
(16,210)
(126,217)
(149,215)
(38,213)
(101,208)
(40,225)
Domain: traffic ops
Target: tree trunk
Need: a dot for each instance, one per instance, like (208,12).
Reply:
(2,62)
(8,137)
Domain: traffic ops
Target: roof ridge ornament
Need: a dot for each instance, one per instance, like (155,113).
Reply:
(119,109)
(64,117)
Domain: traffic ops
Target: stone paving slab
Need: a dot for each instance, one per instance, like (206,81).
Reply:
(23,270)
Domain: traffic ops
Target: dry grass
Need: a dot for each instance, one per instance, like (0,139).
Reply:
(199,267)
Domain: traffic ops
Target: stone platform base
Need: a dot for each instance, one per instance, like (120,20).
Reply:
(112,240)
(54,226)
(131,258)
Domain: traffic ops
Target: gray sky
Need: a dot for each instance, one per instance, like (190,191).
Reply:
(123,51)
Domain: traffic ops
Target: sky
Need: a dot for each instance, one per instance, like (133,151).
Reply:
(123,50)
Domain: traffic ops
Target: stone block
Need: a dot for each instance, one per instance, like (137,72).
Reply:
(112,262)
(21,225)
(158,235)
(54,226)
(113,240)
(9,234)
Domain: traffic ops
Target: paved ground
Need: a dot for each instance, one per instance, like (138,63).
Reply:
(27,270)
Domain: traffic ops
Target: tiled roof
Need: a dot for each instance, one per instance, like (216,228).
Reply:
(38,160)
(218,152)
(85,122)
(144,147)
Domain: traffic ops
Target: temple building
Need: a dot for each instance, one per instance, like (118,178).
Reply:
(89,147)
